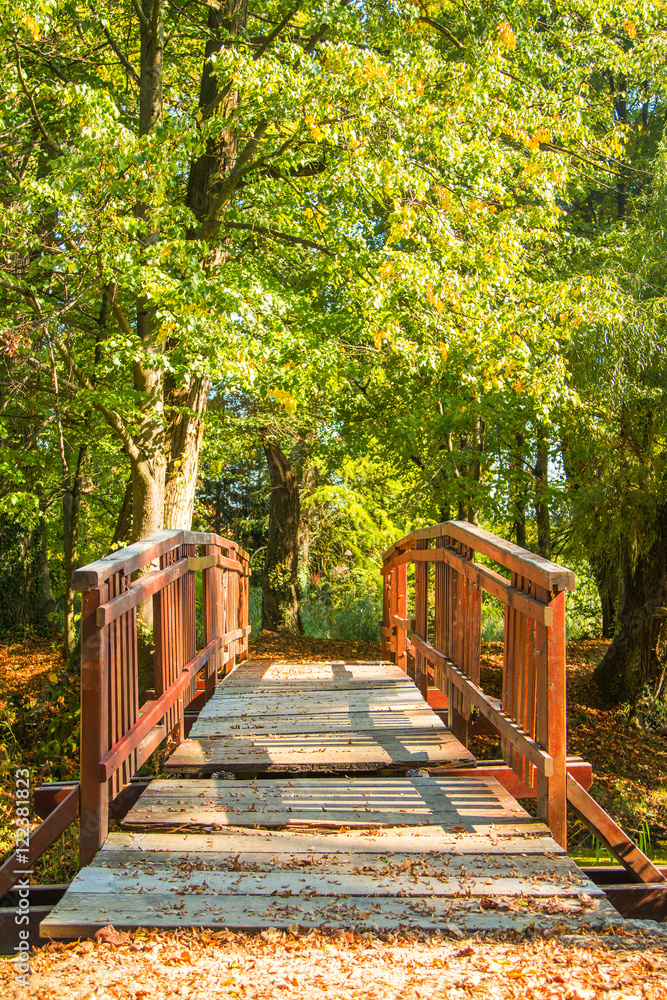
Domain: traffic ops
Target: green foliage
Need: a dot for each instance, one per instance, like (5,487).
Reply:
(347,604)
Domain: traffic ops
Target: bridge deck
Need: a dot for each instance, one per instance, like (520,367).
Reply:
(355,831)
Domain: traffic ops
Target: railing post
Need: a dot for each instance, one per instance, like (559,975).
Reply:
(557,721)
(94,808)
(386,614)
(421,618)
(246,606)
(227,604)
(401,585)
(211,600)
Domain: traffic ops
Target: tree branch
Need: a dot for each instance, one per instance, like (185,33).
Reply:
(131,71)
(227,189)
(143,20)
(443,31)
(113,418)
(121,318)
(278,235)
(31,101)
(276,31)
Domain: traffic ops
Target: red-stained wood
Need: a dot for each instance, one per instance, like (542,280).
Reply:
(557,722)
(386,618)
(140,590)
(421,619)
(502,772)
(94,725)
(157,710)
(116,740)
(610,834)
(547,574)
(46,834)
(533,694)
(129,559)
(509,731)
(401,576)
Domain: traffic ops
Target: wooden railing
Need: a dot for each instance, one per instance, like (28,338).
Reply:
(117,733)
(445,647)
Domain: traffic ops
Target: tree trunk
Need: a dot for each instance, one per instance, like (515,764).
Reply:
(186,403)
(48,603)
(123,530)
(610,584)
(280,586)
(71,507)
(186,430)
(308,482)
(542,516)
(148,465)
(636,657)
(518,490)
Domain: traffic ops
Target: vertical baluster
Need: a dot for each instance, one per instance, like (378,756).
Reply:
(246,604)
(402,612)
(210,599)
(508,672)
(421,617)
(133,661)
(94,802)
(114,680)
(393,610)
(542,704)
(229,621)
(557,721)
(386,601)
(530,696)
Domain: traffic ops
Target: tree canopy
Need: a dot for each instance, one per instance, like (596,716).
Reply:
(381,263)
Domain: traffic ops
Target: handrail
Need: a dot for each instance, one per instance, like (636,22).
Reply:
(117,734)
(531,717)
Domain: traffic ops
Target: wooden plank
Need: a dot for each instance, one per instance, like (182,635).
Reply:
(79,914)
(381,841)
(307,722)
(288,882)
(359,751)
(330,802)
(303,686)
(610,834)
(539,869)
(289,668)
(285,703)
(484,704)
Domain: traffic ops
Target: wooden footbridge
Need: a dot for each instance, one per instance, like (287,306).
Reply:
(324,794)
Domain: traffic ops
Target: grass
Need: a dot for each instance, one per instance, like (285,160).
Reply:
(39,698)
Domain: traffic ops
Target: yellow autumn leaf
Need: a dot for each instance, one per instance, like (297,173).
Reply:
(284,398)
(507,36)
(31,24)
(52,677)
(630,29)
